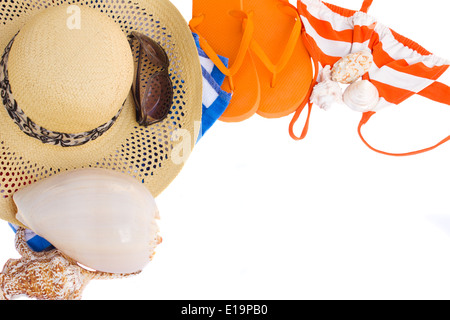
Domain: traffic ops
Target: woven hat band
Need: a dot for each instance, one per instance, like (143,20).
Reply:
(32,129)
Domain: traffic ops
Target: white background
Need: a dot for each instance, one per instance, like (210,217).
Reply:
(256,215)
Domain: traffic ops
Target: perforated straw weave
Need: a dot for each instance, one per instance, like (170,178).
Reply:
(153,155)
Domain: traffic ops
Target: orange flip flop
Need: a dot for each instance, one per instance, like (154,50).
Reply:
(225,29)
(284,65)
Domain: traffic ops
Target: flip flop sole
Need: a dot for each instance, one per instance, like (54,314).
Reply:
(224,33)
(273,29)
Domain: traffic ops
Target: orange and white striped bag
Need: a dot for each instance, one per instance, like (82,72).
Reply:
(401,67)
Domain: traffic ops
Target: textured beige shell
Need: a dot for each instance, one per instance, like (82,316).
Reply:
(103,219)
(350,68)
(361,96)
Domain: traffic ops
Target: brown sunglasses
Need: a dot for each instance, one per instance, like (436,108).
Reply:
(152,87)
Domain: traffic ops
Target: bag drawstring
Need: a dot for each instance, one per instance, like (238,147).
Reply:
(366,6)
(437,92)
(314,57)
(366,117)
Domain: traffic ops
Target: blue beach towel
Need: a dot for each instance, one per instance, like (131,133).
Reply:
(35,242)
(215,101)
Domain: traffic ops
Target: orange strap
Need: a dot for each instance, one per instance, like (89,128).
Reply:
(248,26)
(437,91)
(314,57)
(294,120)
(366,117)
(290,10)
(366,5)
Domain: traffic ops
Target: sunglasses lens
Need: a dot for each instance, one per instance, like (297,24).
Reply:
(155,53)
(156,100)
(153,89)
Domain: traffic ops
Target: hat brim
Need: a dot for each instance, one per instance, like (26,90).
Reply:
(145,153)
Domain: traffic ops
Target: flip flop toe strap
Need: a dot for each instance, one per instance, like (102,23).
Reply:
(276,68)
(248,30)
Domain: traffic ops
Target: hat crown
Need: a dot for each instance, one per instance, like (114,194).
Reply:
(70,69)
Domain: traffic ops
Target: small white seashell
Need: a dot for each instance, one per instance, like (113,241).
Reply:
(325,74)
(361,96)
(102,219)
(327,92)
(351,67)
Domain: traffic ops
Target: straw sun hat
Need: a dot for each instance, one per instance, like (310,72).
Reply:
(63,73)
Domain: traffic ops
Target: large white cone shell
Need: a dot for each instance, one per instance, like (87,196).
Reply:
(103,219)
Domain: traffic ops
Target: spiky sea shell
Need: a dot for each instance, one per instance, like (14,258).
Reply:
(327,92)
(47,275)
(351,67)
(361,96)
(103,219)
